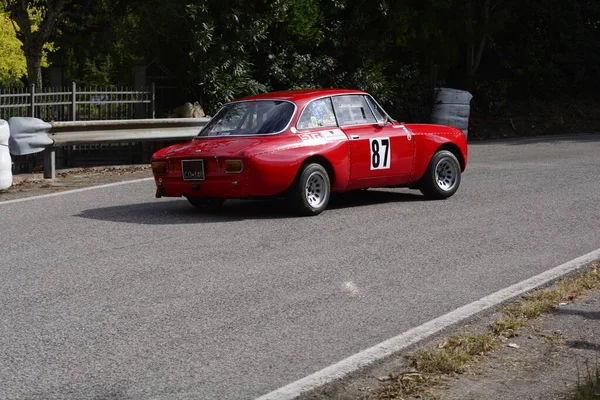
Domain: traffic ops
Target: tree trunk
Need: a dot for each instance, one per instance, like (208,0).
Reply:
(35,36)
(469,46)
(34,66)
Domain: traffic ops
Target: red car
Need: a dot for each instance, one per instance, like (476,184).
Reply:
(305,145)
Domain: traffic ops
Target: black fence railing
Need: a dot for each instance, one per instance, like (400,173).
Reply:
(77,104)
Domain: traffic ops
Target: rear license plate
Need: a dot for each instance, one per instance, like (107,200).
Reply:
(193,170)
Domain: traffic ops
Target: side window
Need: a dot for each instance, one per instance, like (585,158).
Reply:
(379,113)
(318,114)
(353,110)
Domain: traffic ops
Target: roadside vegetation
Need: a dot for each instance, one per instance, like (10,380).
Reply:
(430,367)
(532,66)
(589,386)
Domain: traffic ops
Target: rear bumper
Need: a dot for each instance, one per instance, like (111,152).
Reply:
(230,187)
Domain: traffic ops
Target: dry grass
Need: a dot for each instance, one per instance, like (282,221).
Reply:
(578,285)
(507,326)
(590,389)
(471,344)
(440,361)
(453,356)
(532,305)
(405,384)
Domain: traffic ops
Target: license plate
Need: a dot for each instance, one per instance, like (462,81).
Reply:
(193,170)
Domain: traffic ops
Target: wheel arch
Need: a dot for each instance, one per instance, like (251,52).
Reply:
(454,149)
(319,159)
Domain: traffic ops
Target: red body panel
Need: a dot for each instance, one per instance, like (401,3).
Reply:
(400,158)
(271,162)
(429,139)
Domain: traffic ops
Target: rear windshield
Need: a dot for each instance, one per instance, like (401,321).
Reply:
(248,118)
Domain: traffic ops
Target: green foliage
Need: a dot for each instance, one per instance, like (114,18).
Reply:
(34,23)
(549,46)
(224,40)
(109,58)
(217,50)
(12,62)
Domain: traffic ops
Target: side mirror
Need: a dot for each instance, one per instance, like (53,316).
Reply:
(385,121)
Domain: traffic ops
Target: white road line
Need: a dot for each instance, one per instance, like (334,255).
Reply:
(44,196)
(415,335)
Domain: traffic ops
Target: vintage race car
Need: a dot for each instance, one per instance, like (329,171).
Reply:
(305,145)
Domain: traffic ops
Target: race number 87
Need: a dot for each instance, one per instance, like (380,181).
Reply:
(380,153)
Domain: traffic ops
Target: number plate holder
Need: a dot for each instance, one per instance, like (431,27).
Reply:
(192,170)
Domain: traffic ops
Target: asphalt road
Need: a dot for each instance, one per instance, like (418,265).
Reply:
(112,294)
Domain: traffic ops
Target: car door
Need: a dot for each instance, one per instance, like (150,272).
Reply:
(381,153)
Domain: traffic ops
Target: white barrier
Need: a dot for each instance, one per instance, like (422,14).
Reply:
(5,160)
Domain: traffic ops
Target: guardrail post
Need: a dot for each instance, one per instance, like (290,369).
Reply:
(74,102)
(50,163)
(153,101)
(32,101)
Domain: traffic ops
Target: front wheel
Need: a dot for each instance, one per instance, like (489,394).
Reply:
(311,190)
(442,178)
(204,203)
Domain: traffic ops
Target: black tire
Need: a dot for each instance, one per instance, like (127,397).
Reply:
(206,203)
(442,177)
(311,191)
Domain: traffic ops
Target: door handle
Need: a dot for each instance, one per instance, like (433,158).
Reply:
(354,137)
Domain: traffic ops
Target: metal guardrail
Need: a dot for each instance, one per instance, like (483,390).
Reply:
(139,130)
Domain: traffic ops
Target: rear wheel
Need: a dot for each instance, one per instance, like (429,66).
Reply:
(311,191)
(206,203)
(442,178)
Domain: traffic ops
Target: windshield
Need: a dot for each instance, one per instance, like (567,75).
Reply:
(246,118)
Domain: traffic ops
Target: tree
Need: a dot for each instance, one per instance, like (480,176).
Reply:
(99,43)
(550,47)
(477,31)
(12,62)
(35,23)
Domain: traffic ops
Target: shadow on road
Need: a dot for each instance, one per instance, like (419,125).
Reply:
(179,211)
(584,314)
(582,344)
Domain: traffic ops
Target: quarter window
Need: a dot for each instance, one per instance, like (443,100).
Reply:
(379,113)
(318,114)
(353,110)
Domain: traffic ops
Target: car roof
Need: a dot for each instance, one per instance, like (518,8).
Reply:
(302,95)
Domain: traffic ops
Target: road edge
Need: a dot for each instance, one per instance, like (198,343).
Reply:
(387,348)
(44,196)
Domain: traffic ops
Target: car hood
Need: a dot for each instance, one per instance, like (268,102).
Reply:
(226,147)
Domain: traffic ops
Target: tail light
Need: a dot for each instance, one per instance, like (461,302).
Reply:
(159,167)
(234,166)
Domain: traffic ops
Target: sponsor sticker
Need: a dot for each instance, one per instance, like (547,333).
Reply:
(333,134)
(311,137)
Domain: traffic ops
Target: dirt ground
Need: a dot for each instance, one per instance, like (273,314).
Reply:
(547,360)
